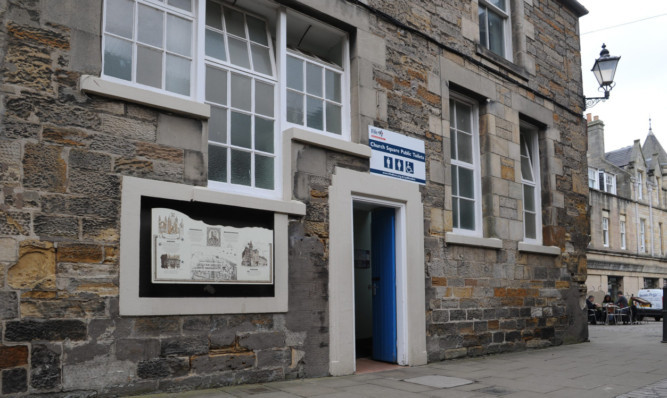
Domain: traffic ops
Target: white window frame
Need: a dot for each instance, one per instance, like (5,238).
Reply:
(592,178)
(640,182)
(507,30)
(605,231)
(529,130)
(475,166)
(622,232)
(194,56)
(610,183)
(642,235)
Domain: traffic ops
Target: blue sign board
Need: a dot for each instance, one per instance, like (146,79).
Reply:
(397,156)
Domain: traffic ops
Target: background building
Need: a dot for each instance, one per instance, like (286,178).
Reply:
(628,198)
(145,143)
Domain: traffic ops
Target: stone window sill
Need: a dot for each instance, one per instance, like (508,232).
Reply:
(107,88)
(502,62)
(463,240)
(539,249)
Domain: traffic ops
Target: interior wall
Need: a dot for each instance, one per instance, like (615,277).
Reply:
(363,315)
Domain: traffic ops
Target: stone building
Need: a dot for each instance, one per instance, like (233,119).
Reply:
(414,174)
(628,205)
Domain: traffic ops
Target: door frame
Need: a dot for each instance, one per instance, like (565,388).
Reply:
(348,186)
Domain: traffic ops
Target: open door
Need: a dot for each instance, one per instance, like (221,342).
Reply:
(383,260)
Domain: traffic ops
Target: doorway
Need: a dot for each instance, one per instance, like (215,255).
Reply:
(375,281)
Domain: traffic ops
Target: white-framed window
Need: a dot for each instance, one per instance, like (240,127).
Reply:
(592,178)
(662,248)
(621,228)
(236,61)
(494,27)
(150,44)
(605,231)
(530,178)
(642,236)
(640,185)
(465,167)
(610,183)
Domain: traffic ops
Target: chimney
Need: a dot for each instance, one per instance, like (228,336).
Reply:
(595,138)
(588,117)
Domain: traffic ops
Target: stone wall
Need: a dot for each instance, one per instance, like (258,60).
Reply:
(64,153)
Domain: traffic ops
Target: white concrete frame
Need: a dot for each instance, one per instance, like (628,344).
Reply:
(349,186)
(132,304)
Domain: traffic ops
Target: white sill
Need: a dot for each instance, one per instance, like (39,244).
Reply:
(324,141)
(464,240)
(539,249)
(200,194)
(107,88)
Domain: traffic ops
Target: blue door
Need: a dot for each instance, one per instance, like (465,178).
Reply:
(383,264)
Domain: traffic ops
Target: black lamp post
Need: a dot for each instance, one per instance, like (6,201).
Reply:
(604,70)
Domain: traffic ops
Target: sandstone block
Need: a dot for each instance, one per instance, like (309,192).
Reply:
(94,184)
(52,330)
(184,346)
(195,171)
(159,152)
(79,253)
(156,326)
(83,159)
(44,167)
(272,358)
(162,367)
(100,229)
(127,128)
(8,306)
(10,162)
(35,268)
(215,363)
(13,356)
(262,340)
(14,381)
(28,66)
(133,167)
(45,367)
(8,250)
(180,132)
(137,349)
(52,226)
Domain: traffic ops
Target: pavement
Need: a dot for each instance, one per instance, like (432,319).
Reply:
(627,361)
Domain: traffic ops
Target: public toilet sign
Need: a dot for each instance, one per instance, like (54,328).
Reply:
(395,155)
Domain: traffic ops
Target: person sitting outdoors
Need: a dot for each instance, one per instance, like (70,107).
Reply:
(624,307)
(593,310)
(607,304)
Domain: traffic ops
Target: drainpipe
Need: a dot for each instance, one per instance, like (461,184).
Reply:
(636,184)
(650,213)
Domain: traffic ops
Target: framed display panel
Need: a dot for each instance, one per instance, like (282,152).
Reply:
(174,299)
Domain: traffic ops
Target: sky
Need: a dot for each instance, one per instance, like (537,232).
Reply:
(637,31)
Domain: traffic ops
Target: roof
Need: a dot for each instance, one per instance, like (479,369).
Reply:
(652,146)
(576,7)
(619,157)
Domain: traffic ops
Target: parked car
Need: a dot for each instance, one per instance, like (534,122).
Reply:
(654,308)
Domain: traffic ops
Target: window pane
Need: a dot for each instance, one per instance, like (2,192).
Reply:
(483,32)
(466,183)
(120,17)
(182,4)
(294,73)
(529,198)
(238,52)
(241,130)
(294,107)
(257,30)
(496,34)
(178,75)
(464,142)
(526,169)
(117,58)
(261,60)
(263,98)
(215,45)
(524,149)
(240,92)
(498,3)
(234,22)
(455,212)
(333,118)
(313,79)
(263,172)
(240,167)
(463,114)
(455,181)
(315,113)
(263,134)
(467,209)
(452,144)
(332,85)
(150,26)
(149,67)
(216,85)
(217,125)
(179,35)
(217,163)
(530,227)
(213,15)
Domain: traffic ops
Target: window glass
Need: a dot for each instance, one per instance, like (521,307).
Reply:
(241,91)
(178,75)
(117,58)
(465,203)
(213,15)
(216,85)
(179,35)
(257,30)
(149,66)
(215,45)
(234,22)
(241,128)
(238,52)
(119,17)
(493,17)
(294,107)
(241,167)
(150,29)
(531,189)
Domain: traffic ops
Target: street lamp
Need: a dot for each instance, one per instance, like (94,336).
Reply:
(604,70)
